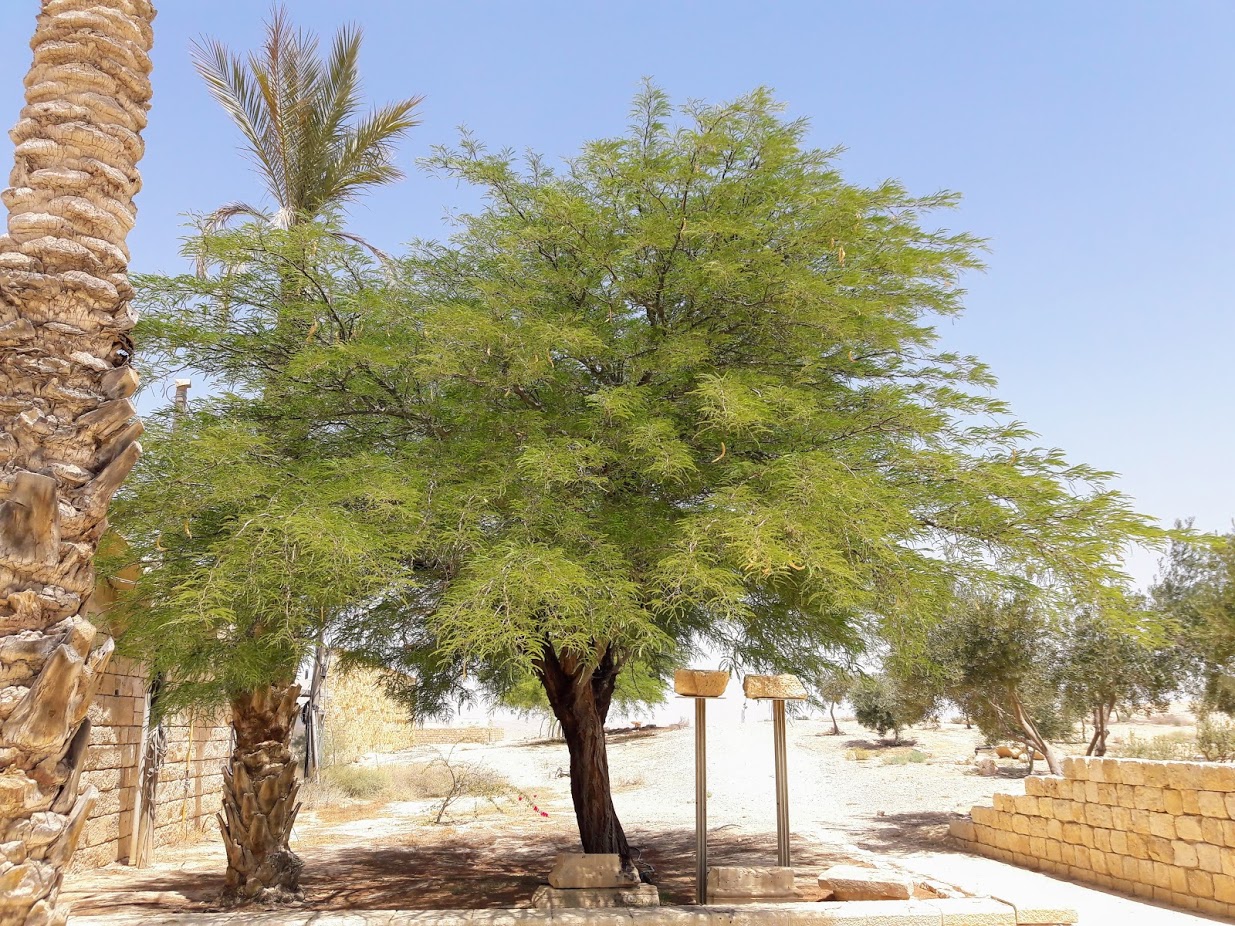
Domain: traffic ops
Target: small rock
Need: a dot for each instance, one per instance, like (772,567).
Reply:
(987,767)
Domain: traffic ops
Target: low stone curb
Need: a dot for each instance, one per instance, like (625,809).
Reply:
(958,912)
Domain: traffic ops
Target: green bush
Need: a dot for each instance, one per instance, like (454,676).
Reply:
(1215,737)
(880,705)
(905,757)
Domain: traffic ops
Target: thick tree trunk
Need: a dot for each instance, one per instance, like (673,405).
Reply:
(68,436)
(259,799)
(1101,729)
(152,765)
(1053,761)
(832,714)
(580,698)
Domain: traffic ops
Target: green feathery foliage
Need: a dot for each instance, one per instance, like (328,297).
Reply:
(255,521)
(687,391)
(1196,590)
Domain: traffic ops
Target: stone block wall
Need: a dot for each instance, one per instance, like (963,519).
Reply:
(448,736)
(190,782)
(1159,830)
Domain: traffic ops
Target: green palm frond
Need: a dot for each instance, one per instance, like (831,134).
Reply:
(299,113)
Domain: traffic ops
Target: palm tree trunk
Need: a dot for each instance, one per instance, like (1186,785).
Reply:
(580,700)
(70,436)
(259,798)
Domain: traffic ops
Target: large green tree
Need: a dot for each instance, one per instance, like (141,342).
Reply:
(686,391)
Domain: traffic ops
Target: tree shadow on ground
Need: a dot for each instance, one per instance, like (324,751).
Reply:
(900,833)
(423,870)
(880,744)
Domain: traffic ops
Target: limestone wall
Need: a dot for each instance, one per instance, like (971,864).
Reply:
(1160,830)
(434,736)
(190,782)
(359,717)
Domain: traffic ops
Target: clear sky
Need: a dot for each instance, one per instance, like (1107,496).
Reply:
(1094,143)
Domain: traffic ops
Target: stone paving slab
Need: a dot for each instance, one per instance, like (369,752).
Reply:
(951,912)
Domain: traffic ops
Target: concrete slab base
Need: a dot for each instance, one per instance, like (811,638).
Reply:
(548,897)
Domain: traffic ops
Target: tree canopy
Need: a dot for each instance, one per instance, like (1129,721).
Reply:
(683,392)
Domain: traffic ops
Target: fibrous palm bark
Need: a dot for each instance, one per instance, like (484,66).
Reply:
(69,435)
(259,798)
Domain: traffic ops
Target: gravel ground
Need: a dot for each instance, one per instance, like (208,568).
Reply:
(851,796)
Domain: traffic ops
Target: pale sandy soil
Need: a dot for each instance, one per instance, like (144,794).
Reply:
(495,852)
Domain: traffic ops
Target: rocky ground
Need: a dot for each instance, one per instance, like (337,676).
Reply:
(850,795)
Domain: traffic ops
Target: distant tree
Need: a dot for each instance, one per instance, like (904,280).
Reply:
(882,705)
(1116,661)
(1029,666)
(831,688)
(1195,590)
(998,658)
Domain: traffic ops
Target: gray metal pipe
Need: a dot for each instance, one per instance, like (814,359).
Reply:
(782,783)
(701,800)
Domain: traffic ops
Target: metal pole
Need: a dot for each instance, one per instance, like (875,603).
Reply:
(701,800)
(782,783)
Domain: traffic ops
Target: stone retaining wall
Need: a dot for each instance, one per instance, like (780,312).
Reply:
(190,782)
(435,736)
(1159,830)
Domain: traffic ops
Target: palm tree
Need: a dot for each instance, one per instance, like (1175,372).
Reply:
(70,433)
(300,118)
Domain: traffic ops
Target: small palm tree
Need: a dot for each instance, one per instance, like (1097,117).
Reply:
(300,115)
(300,118)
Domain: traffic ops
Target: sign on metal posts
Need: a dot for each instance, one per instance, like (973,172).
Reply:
(701,685)
(778,689)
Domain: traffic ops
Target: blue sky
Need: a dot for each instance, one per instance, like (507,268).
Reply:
(1094,143)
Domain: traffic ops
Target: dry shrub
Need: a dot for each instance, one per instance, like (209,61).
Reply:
(1215,737)
(629,782)
(316,795)
(1165,748)
(858,755)
(359,782)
